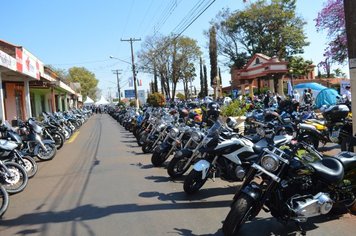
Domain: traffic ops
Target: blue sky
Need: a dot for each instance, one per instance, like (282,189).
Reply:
(67,33)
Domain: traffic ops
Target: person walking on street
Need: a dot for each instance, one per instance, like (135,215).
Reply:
(347,93)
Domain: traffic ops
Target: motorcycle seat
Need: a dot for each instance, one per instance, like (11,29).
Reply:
(329,169)
(348,160)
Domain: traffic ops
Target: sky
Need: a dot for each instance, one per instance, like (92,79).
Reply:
(85,33)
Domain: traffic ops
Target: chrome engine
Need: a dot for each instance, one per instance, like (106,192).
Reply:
(304,207)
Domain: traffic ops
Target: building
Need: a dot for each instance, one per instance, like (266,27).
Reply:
(27,87)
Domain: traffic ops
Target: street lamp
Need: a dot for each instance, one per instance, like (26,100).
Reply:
(112,57)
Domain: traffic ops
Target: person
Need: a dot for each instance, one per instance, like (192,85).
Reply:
(307,98)
(347,93)
(296,96)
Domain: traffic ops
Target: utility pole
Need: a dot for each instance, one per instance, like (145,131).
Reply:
(117,72)
(131,40)
(350,24)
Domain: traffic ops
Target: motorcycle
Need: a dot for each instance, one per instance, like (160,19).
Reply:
(13,177)
(336,128)
(30,133)
(231,158)
(184,157)
(173,141)
(157,134)
(27,162)
(292,189)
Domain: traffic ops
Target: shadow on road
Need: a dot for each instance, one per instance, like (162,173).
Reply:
(182,196)
(91,212)
(137,153)
(158,179)
(188,232)
(129,141)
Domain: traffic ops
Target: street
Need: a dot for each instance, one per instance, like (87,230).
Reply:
(100,183)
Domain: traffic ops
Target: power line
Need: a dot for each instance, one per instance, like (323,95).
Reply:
(144,18)
(195,18)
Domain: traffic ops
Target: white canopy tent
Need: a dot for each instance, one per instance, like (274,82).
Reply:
(102,101)
(88,101)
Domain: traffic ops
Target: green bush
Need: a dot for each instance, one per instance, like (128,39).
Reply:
(156,100)
(235,108)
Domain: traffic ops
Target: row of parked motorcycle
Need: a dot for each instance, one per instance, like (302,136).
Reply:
(23,143)
(275,157)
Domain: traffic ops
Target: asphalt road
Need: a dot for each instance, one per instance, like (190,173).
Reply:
(100,183)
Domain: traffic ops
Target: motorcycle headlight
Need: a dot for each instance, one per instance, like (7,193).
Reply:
(173,133)
(161,127)
(270,163)
(196,136)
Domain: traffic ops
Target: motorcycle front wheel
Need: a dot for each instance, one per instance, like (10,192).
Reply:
(176,166)
(58,139)
(16,180)
(146,148)
(49,154)
(30,165)
(4,200)
(141,138)
(193,182)
(158,158)
(239,213)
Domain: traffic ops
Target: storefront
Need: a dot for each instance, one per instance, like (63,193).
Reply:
(15,81)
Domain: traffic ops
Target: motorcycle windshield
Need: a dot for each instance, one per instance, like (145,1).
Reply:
(35,127)
(215,129)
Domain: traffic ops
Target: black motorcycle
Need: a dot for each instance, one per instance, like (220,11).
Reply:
(293,188)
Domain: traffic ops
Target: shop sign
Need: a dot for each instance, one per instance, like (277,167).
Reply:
(28,64)
(7,61)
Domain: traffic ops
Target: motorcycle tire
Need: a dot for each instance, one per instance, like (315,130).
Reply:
(176,167)
(30,166)
(142,138)
(67,133)
(18,181)
(158,158)
(4,200)
(193,182)
(240,212)
(146,148)
(47,155)
(58,139)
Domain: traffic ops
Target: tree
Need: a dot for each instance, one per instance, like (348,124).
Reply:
(299,66)
(332,19)
(173,57)
(202,89)
(206,92)
(269,28)
(213,55)
(87,81)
